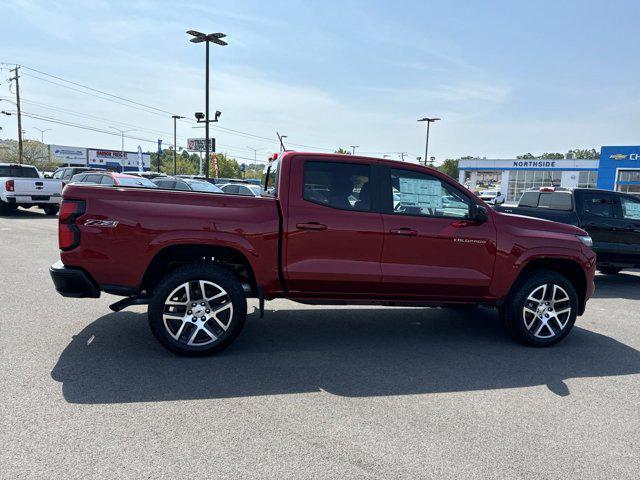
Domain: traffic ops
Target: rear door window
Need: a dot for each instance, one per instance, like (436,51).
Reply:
(106,180)
(338,185)
(94,178)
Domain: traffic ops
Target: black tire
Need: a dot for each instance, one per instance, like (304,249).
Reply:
(6,208)
(524,325)
(233,317)
(609,270)
(51,210)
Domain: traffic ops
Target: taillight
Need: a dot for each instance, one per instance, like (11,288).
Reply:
(9,186)
(68,232)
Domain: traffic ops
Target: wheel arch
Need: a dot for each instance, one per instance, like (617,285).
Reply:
(570,269)
(174,256)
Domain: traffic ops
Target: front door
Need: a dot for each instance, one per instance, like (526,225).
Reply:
(432,248)
(333,231)
(629,214)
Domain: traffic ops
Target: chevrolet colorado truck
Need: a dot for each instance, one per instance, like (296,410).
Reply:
(612,220)
(333,229)
(22,186)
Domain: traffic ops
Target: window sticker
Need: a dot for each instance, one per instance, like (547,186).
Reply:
(418,192)
(631,210)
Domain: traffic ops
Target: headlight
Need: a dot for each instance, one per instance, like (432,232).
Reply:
(586,239)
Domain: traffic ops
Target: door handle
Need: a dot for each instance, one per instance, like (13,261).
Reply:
(407,232)
(311,226)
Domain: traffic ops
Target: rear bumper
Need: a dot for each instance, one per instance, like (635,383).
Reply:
(72,282)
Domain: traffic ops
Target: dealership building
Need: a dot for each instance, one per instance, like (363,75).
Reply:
(617,169)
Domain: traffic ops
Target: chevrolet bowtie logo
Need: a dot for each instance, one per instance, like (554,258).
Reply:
(618,156)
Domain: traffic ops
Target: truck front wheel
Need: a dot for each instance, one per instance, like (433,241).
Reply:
(542,309)
(197,310)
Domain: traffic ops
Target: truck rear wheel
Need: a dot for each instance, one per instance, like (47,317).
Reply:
(609,270)
(51,210)
(197,310)
(542,309)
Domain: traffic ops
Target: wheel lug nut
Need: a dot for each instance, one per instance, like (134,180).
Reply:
(546,315)
(193,319)
(189,312)
(208,311)
(193,304)
(203,318)
(202,304)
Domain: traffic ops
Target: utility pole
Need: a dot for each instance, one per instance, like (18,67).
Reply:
(353,148)
(15,78)
(175,145)
(281,140)
(402,155)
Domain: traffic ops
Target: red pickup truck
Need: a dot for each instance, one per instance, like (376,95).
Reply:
(329,229)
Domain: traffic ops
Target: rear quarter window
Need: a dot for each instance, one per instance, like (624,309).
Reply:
(529,199)
(556,201)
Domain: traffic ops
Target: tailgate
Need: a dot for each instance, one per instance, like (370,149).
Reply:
(40,189)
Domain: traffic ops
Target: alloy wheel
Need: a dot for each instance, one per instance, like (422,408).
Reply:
(546,311)
(197,313)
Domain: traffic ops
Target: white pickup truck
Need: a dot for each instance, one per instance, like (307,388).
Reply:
(22,186)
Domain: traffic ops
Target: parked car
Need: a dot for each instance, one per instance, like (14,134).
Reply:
(241,189)
(22,186)
(493,197)
(149,175)
(195,258)
(185,184)
(66,173)
(112,179)
(612,219)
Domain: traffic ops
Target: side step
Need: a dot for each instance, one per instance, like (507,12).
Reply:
(127,302)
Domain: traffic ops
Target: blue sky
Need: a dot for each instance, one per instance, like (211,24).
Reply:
(506,77)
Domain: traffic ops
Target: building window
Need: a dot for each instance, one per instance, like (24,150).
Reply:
(628,181)
(523,180)
(588,179)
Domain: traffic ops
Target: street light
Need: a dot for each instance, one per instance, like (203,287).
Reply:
(122,132)
(175,145)
(42,133)
(353,148)
(199,37)
(426,148)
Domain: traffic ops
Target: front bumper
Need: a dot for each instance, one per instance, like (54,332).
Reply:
(73,282)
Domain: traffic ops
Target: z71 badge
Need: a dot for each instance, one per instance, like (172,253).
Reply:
(101,223)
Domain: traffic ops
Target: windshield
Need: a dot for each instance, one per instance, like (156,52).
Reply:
(200,186)
(255,189)
(135,182)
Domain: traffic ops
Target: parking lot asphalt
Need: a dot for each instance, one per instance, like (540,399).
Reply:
(308,392)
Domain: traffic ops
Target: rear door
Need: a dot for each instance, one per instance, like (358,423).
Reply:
(333,229)
(432,248)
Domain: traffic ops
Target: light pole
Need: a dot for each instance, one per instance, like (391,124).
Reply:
(199,37)
(42,133)
(255,154)
(175,145)
(122,132)
(353,148)
(426,148)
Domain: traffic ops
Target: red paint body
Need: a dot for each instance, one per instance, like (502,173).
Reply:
(325,253)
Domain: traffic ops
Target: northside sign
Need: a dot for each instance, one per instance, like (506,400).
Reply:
(534,163)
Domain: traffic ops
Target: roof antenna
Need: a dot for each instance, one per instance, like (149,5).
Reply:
(281,140)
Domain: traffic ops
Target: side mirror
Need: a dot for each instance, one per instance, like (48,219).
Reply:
(479,213)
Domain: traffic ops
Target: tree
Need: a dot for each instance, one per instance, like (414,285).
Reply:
(526,156)
(551,156)
(343,151)
(450,167)
(591,154)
